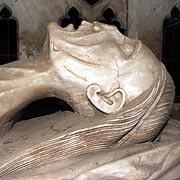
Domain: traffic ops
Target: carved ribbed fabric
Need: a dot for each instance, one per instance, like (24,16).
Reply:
(140,121)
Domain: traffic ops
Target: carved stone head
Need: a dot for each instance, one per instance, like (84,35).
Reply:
(95,69)
(105,66)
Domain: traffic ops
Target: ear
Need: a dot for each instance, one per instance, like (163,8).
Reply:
(107,103)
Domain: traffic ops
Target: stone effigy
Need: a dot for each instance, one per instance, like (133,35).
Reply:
(120,93)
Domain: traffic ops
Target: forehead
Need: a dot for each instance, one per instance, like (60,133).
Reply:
(87,34)
(92,43)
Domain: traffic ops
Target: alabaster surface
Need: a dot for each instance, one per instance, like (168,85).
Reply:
(121,96)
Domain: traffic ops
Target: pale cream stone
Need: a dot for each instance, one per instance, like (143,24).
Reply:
(120,93)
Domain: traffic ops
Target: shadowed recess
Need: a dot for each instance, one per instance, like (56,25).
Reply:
(91,2)
(108,17)
(73,17)
(43,107)
(171,47)
(8,35)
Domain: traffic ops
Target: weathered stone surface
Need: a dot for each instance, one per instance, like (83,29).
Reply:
(143,19)
(140,161)
(120,93)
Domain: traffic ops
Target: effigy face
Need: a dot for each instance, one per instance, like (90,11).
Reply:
(113,80)
(103,63)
